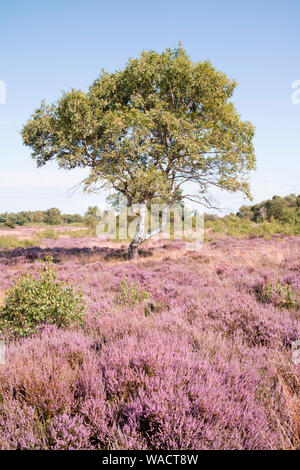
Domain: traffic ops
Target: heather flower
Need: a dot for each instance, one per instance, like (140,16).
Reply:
(203,363)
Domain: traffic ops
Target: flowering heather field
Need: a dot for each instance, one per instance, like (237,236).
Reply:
(185,349)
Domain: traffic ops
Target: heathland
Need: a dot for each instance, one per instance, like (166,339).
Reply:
(184,348)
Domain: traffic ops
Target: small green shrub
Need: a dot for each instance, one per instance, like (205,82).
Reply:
(282,294)
(262,230)
(35,301)
(131,293)
(9,224)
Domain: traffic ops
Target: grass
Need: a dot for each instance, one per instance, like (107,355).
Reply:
(77,233)
(53,234)
(10,242)
(243,228)
(48,233)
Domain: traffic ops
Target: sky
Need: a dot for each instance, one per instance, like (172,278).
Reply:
(50,46)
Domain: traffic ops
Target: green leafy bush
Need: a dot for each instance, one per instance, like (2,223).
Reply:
(33,301)
(9,224)
(283,294)
(53,216)
(131,293)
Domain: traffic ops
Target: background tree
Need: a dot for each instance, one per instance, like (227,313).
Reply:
(72,218)
(283,209)
(53,216)
(91,218)
(147,130)
(37,217)
(245,212)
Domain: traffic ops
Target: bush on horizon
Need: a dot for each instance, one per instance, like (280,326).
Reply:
(233,225)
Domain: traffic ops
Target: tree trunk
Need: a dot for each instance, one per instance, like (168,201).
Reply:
(133,250)
(141,234)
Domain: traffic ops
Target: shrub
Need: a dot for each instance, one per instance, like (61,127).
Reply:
(282,294)
(240,227)
(131,293)
(53,216)
(263,230)
(9,224)
(33,301)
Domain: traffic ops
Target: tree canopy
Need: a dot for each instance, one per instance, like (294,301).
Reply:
(147,130)
(284,209)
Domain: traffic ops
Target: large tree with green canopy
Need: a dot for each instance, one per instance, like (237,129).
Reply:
(147,130)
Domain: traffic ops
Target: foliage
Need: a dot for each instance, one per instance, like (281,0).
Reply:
(279,215)
(9,223)
(243,226)
(147,130)
(92,218)
(284,294)
(72,219)
(131,293)
(200,372)
(12,220)
(284,209)
(53,216)
(32,301)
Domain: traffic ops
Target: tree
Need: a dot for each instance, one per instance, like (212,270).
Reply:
(37,217)
(53,216)
(72,218)
(147,130)
(276,208)
(10,221)
(92,218)
(245,212)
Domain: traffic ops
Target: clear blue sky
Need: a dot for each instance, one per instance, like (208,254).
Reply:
(48,46)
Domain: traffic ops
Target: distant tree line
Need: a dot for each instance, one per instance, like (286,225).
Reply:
(284,209)
(51,216)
